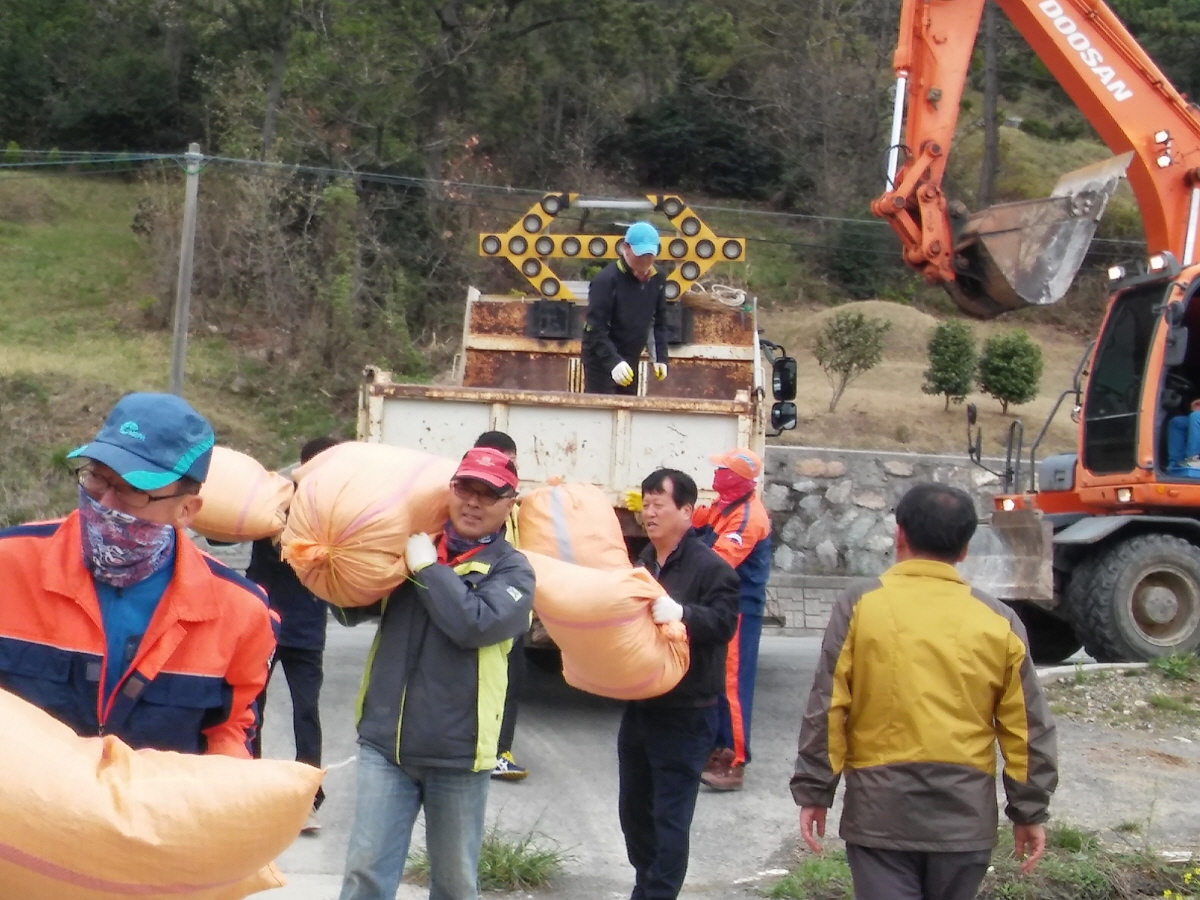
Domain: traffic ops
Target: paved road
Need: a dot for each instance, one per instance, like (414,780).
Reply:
(568,740)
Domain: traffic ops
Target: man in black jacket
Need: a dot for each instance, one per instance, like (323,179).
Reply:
(624,300)
(665,742)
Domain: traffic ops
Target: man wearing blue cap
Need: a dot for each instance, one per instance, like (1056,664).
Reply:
(624,301)
(113,621)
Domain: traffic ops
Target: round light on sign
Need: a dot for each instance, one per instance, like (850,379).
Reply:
(531,267)
(672,207)
(571,246)
(550,286)
(731,250)
(678,248)
(532,223)
(517,245)
(672,290)
(544,246)
(551,204)
(705,249)
(690,226)
(690,270)
(491,245)
(597,246)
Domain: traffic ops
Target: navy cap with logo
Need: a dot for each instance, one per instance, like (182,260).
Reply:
(152,440)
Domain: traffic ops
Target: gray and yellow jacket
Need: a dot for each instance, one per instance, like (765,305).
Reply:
(433,691)
(919,678)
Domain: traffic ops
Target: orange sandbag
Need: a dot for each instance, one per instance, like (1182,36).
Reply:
(92,819)
(600,619)
(242,500)
(355,507)
(574,523)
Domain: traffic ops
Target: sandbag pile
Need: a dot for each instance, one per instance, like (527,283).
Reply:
(601,621)
(572,522)
(243,501)
(92,819)
(355,506)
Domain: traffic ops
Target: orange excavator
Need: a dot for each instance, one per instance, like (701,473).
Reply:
(1101,547)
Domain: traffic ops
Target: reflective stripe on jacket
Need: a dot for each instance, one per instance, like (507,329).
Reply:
(919,678)
(198,669)
(740,533)
(434,686)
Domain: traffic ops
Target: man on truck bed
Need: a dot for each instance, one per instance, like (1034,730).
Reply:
(624,300)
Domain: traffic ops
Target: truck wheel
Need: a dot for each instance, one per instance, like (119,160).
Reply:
(1051,640)
(1138,599)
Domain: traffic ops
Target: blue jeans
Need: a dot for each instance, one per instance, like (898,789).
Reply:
(1183,438)
(660,755)
(389,798)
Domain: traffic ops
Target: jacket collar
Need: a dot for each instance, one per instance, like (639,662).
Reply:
(926,568)
(649,556)
(189,594)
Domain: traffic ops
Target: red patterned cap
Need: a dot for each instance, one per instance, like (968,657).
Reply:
(489,466)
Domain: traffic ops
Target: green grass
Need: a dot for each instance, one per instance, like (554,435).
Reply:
(504,864)
(74,284)
(1171,704)
(1176,666)
(824,877)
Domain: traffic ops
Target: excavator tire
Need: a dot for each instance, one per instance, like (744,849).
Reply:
(1137,599)
(1051,640)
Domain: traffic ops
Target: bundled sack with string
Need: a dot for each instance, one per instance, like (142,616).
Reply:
(355,507)
(93,819)
(572,522)
(243,501)
(601,621)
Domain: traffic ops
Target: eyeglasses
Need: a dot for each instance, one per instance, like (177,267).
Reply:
(477,490)
(97,486)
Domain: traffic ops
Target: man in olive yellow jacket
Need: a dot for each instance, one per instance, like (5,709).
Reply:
(920,677)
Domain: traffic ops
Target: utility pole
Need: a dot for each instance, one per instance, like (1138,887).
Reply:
(192,161)
(991,128)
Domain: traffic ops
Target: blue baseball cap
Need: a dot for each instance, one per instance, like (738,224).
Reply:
(642,238)
(152,440)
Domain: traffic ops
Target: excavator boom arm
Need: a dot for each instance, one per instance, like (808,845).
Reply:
(1114,83)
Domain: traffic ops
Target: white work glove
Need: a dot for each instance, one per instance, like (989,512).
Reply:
(660,371)
(622,374)
(666,610)
(419,552)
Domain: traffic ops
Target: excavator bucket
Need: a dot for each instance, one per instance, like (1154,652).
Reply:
(1026,253)
(1011,557)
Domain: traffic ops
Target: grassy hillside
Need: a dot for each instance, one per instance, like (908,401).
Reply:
(74,283)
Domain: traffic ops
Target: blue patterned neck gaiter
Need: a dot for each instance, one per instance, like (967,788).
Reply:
(120,549)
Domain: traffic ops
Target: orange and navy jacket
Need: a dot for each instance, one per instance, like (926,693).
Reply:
(200,666)
(740,533)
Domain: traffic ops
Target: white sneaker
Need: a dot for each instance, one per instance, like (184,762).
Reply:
(312,824)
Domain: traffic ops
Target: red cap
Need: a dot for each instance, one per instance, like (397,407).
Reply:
(489,466)
(740,461)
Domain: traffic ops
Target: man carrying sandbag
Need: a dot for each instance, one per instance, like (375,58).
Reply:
(665,742)
(113,621)
(434,691)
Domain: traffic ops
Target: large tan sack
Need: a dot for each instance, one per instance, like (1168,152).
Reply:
(355,507)
(601,621)
(92,819)
(242,500)
(572,522)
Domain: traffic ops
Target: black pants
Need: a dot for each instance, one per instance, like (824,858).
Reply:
(661,753)
(598,380)
(908,875)
(304,672)
(516,680)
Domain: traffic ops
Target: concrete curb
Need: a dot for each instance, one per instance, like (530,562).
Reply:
(1058,673)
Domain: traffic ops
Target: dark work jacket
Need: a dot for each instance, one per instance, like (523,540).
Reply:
(707,588)
(620,312)
(302,614)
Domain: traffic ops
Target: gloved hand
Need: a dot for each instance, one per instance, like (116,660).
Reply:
(419,552)
(666,610)
(660,371)
(633,500)
(622,374)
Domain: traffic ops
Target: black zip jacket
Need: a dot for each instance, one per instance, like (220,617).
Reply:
(620,312)
(707,588)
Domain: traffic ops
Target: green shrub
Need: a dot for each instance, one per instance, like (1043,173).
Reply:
(1010,368)
(952,361)
(12,152)
(848,345)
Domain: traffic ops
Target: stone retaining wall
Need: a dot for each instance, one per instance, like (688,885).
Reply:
(833,522)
